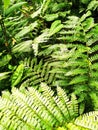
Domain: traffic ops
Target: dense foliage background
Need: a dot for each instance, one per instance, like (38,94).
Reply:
(51,41)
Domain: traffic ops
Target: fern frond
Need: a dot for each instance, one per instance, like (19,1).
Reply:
(4,75)
(93,5)
(65,105)
(29,109)
(76,63)
(37,72)
(89,120)
(32,109)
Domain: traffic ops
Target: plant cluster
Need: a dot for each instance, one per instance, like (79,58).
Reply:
(55,42)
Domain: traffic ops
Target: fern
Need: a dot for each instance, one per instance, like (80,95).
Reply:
(68,65)
(17,75)
(59,46)
(75,59)
(78,57)
(87,123)
(92,5)
(30,109)
(36,72)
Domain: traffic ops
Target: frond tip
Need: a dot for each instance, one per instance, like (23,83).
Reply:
(88,120)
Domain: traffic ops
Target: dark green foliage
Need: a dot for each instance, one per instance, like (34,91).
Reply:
(78,58)
(75,60)
(52,41)
(36,72)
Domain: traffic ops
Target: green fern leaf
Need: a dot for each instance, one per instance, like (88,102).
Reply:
(17,75)
(25,46)
(34,110)
(89,120)
(12,8)
(92,5)
(4,75)
(26,30)
(5,60)
(6,4)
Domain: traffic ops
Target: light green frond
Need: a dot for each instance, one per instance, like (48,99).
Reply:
(92,5)
(89,120)
(29,109)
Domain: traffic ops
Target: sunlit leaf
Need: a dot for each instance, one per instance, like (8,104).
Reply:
(6,4)
(5,60)
(51,17)
(17,75)
(4,75)
(26,30)
(55,27)
(25,46)
(14,7)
